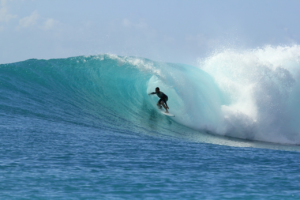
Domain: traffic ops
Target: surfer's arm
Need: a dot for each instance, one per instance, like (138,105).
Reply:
(152,93)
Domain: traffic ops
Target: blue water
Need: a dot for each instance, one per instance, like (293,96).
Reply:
(85,128)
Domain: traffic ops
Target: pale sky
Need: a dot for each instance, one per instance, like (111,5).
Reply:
(161,30)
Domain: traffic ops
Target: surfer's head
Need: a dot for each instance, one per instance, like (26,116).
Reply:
(157,89)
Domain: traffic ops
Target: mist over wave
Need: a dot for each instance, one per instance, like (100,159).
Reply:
(261,90)
(251,95)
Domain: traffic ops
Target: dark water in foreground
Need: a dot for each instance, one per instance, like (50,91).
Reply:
(50,160)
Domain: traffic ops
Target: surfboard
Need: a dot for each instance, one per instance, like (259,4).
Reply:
(168,114)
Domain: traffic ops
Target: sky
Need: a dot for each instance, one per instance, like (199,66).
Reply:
(178,31)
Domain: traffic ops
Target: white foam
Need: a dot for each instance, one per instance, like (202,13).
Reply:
(262,90)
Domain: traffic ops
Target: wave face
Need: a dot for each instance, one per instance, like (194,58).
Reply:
(251,95)
(106,91)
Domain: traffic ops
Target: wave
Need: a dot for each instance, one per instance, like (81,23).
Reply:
(250,95)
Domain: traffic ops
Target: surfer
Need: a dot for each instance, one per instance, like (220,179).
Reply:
(163,99)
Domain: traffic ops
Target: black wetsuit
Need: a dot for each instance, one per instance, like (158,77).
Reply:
(162,96)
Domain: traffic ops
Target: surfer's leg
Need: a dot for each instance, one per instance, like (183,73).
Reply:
(159,104)
(165,108)
(165,100)
(164,103)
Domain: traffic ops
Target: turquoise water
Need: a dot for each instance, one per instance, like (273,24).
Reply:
(85,128)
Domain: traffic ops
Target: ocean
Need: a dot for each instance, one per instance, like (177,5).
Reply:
(85,127)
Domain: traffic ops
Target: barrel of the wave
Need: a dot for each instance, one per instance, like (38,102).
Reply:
(194,97)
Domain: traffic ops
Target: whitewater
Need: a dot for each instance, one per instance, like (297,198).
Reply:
(85,127)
